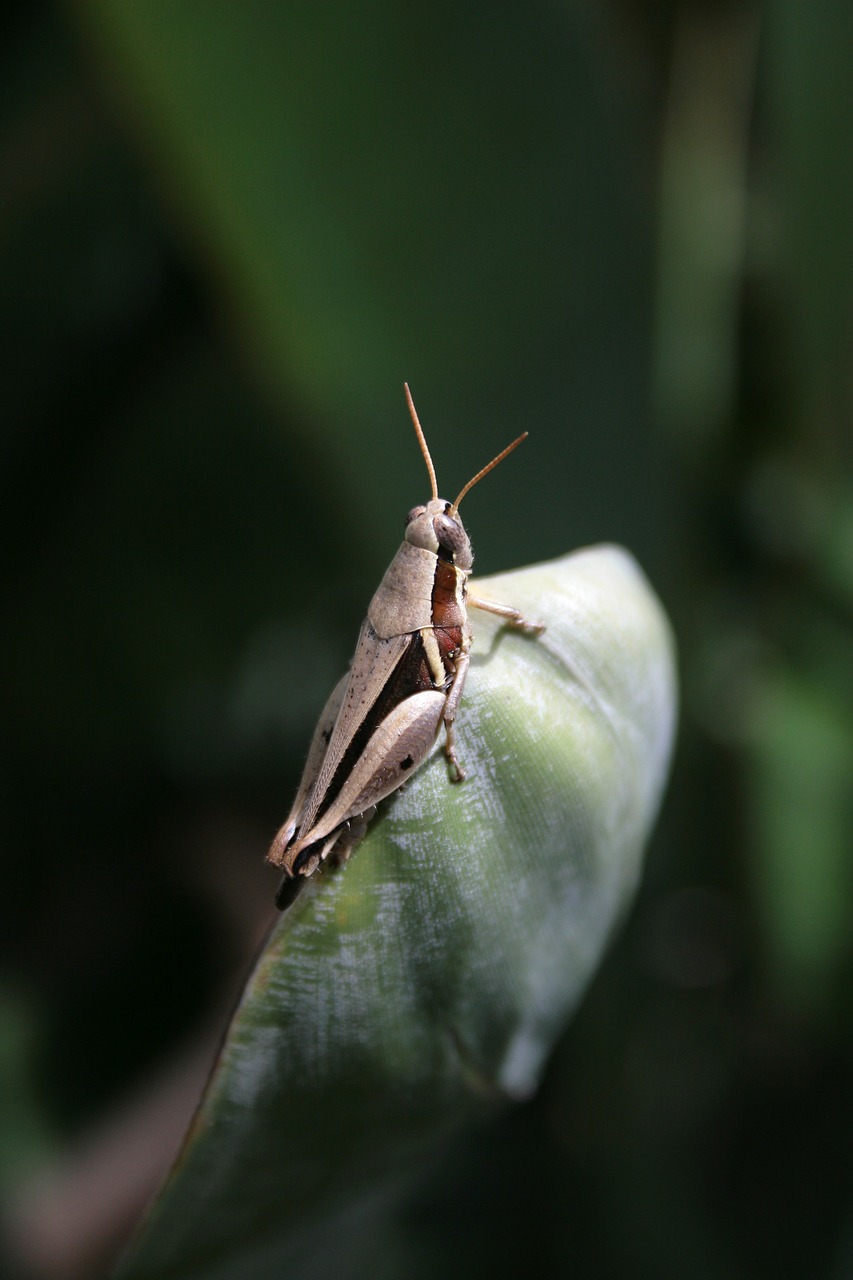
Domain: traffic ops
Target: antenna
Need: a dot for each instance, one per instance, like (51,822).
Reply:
(485,471)
(422,441)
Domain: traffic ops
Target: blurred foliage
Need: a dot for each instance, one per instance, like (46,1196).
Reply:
(229,232)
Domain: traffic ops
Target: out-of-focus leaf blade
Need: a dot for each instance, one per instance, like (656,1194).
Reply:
(408,990)
(380,192)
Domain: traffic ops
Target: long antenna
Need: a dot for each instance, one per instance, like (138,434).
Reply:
(490,467)
(422,440)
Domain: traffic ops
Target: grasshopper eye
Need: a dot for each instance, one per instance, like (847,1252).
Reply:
(452,540)
(414,513)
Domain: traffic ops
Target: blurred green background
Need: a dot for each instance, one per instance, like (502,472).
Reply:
(229,232)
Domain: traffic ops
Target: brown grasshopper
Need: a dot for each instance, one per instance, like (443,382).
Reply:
(404,682)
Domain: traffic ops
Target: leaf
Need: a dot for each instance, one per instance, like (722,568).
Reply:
(431,976)
(378,192)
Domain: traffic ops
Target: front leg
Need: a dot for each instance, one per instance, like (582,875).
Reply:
(512,617)
(451,705)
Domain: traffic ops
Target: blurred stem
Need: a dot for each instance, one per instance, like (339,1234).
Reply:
(808,87)
(702,220)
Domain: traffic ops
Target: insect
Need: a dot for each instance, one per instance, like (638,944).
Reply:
(404,682)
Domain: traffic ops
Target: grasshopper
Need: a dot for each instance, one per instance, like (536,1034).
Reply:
(404,682)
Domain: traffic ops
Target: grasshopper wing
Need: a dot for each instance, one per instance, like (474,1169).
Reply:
(398,745)
(316,752)
(373,662)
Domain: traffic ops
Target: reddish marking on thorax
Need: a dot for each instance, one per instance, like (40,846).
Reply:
(448,616)
(446,609)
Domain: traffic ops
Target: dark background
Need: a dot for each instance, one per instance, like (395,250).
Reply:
(227,235)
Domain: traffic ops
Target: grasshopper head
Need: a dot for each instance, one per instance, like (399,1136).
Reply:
(436,527)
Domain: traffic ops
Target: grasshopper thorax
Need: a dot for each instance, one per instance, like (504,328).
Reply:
(436,527)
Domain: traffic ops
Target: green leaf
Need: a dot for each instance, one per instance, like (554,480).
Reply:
(376,192)
(431,976)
